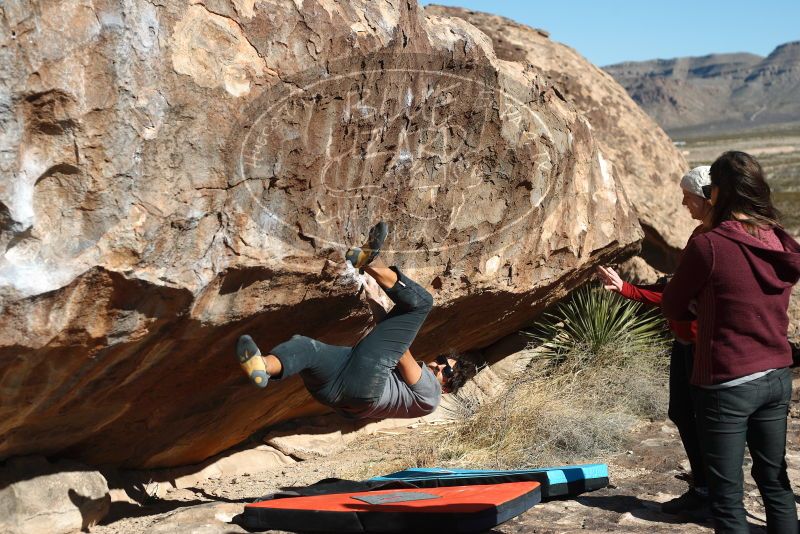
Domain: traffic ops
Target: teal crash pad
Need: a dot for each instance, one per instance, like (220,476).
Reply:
(556,481)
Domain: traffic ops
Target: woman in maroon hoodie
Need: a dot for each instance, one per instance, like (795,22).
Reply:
(736,279)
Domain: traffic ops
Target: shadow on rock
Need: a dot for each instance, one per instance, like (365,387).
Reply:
(92,510)
(650,511)
(122,510)
(639,508)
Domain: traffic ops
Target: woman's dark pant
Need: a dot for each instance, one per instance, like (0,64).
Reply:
(681,408)
(352,378)
(754,413)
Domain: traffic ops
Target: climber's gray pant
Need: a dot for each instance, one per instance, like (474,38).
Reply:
(349,379)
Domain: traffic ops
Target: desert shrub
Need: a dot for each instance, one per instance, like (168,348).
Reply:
(598,368)
(595,327)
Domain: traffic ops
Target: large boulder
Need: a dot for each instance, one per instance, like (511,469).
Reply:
(177,175)
(642,155)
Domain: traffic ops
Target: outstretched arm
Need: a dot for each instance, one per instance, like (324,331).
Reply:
(409,369)
(613,282)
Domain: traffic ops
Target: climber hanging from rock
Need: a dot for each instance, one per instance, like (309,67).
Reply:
(378,377)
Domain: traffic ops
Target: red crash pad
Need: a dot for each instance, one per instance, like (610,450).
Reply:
(449,509)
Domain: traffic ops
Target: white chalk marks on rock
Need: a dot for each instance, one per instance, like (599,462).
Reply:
(432,145)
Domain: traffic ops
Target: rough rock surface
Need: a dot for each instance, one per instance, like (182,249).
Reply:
(39,497)
(176,175)
(634,146)
(209,518)
(135,486)
(315,437)
(638,271)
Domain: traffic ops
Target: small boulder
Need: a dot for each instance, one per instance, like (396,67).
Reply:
(39,496)
(210,518)
(637,271)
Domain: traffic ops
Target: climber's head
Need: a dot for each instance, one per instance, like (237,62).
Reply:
(452,372)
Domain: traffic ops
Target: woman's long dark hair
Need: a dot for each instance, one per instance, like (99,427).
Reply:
(742,190)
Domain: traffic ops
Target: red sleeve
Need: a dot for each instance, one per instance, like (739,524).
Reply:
(692,274)
(646,294)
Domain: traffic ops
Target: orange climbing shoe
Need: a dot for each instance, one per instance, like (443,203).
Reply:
(251,361)
(360,257)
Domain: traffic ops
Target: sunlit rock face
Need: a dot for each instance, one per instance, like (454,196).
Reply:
(641,155)
(176,175)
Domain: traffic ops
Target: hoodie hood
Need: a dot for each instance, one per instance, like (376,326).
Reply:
(775,270)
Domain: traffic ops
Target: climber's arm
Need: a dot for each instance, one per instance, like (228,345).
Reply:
(409,369)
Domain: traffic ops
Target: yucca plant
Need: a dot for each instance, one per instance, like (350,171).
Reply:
(595,326)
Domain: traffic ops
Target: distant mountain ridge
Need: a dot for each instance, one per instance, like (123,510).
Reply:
(718,92)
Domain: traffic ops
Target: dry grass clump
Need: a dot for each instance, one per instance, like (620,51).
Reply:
(577,402)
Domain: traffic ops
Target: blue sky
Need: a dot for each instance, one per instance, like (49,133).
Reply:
(612,31)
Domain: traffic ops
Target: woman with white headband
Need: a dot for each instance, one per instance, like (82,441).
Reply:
(696,186)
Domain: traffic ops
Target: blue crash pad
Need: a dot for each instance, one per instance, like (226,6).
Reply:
(556,481)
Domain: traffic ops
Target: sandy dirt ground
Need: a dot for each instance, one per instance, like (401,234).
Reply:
(649,473)
(777,148)
(778,151)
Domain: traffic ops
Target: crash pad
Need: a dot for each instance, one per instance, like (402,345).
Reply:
(555,481)
(473,508)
